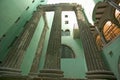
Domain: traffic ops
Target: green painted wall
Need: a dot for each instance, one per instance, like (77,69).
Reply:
(74,67)
(112,59)
(10,11)
(31,50)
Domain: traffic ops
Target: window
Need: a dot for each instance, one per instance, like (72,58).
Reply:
(67,52)
(17,19)
(117,14)
(42,1)
(67,32)
(4,35)
(66,16)
(66,22)
(33,1)
(27,8)
(110,31)
(111,53)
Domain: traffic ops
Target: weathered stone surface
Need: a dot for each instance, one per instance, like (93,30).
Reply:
(35,64)
(52,56)
(52,62)
(15,55)
(96,67)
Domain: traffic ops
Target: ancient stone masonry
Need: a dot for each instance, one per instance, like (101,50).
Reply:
(12,62)
(54,43)
(35,65)
(97,70)
(52,7)
(52,62)
(96,67)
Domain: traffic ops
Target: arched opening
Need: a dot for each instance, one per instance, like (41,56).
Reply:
(110,31)
(117,14)
(67,52)
(67,32)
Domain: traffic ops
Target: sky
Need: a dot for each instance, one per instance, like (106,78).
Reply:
(88,6)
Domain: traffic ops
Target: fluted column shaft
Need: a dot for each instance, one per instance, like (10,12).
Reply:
(52,61)
(92,54)
(15,55)
(53,50)
(96,67)
(36,60)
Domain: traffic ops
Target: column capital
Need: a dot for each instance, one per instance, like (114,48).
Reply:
(79,12)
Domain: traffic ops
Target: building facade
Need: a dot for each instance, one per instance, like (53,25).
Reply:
(40,41)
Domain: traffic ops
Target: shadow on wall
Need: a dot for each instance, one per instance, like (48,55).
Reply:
(111,52)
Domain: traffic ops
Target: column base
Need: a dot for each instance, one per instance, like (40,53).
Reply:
(51,74)
(100,75)
(9,72)
(32,74)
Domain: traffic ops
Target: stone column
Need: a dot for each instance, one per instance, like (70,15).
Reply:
(96,66)
(11,64)
(36,60)
(52,61)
